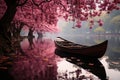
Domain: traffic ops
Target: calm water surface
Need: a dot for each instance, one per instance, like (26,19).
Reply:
(111,59)
(38,61)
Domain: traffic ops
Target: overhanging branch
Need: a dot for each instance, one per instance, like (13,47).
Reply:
(60,3)
(40,4)
(21,4)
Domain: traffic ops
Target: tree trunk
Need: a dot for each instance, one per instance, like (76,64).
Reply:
(7,18)
(5,24)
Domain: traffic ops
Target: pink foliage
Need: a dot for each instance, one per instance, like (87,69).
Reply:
(78,24)
(43,15)
(91,26)
(44,19)
(92,22)
(100,22)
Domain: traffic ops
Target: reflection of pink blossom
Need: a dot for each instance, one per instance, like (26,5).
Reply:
(24,44)
(38,64)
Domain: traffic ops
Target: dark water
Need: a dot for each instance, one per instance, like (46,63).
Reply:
(35,59)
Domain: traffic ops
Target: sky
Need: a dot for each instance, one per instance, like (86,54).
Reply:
(110,20)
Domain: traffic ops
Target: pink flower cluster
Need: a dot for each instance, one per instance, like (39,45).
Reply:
(45,13)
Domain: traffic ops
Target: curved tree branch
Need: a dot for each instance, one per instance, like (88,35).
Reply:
(63,6)
(21,4)
(60,3)
(40,4)
(35,3)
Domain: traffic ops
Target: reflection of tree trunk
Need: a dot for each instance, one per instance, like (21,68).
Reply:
(17,48)
(30,39)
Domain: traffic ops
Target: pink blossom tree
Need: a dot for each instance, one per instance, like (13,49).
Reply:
(43,15)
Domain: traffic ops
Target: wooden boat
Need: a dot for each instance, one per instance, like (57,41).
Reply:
(96,51)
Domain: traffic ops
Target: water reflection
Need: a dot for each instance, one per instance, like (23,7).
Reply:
(38,63)
(92,65)
(112,53)
(34,59)
(113,50)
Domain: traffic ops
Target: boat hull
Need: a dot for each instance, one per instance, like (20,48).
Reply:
(96,51)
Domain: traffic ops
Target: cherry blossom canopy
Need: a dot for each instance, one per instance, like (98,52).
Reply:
(40,14)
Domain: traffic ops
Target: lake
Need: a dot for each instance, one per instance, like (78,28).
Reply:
(35,59)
